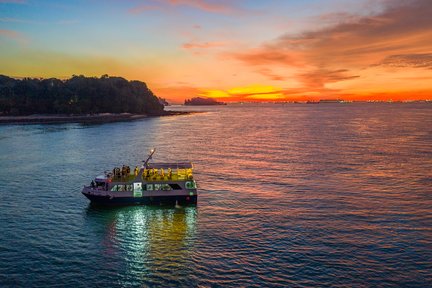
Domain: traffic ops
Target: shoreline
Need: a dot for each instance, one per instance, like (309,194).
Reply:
(88,118)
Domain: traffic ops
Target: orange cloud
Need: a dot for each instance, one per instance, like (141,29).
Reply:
(254,89)
(214,94)
(319,77)
(347,46)
(408,60)
(267,72)
(251,92)
(269,96)
(269,55)
(203,45)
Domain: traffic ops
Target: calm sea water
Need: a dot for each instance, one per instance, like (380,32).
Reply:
(290,195)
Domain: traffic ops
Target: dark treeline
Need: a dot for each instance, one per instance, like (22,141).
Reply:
(202,101)
(77,95)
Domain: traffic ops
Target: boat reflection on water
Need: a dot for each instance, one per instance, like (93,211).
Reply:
(153,243)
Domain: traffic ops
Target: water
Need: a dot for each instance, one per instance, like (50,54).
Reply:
(290,195)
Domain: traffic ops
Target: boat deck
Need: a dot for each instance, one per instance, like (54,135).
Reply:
(153,175)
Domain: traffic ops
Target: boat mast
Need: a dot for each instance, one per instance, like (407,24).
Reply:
(152,151)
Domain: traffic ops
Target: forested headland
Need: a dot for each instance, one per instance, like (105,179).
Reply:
(77,95)
(202,101)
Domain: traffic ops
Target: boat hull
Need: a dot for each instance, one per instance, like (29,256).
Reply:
(182,200)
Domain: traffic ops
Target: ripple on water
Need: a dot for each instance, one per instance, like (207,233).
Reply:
(301,195)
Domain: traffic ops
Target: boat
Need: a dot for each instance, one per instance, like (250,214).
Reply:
(150,184)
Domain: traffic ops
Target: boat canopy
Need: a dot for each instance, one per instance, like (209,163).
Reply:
(101,178)
(179,165)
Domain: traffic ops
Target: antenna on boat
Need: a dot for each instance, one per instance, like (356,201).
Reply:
(152,151)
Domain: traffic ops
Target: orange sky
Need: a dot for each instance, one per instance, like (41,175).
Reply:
(229,50)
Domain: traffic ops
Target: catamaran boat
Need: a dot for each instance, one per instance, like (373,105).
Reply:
(151,184)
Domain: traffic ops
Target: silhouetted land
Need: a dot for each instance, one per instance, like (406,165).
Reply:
(78,99)
(203,101)
(78,95)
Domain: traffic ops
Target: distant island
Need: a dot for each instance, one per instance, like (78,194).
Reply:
(202,101)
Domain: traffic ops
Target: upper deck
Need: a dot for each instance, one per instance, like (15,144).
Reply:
(153,172)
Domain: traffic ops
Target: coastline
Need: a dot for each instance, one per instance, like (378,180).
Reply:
(88,118)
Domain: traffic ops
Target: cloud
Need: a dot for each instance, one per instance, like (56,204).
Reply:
(202,45)
(254,89)
(16,20)
(203,5)
(398,34)
(14,35)
(251,92)
(214,94)
(408,60)
(318,78)
(356,40)
(271,75)
(269,96)
(143,8)
(268,54)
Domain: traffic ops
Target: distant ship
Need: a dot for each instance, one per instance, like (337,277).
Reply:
(151,184)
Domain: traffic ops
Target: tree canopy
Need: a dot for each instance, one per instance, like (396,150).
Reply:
(76,95)
(202,101)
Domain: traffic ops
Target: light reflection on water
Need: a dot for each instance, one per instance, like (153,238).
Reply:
(144,238)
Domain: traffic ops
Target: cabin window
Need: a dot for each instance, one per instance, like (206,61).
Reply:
(175,186)
(157,186)
(100,184)
(149,187)
(190,185)
(122,188)
(165,187)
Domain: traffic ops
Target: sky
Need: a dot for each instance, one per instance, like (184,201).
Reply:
(231,50)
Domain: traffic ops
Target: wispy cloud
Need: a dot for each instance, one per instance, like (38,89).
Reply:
(267,72)
(319,77)
(203,5)
(143,8)
(202,45)
(215,6)
(408,60)
(268,54)
(14,35)
(35,22)
(398,35)
(17,20)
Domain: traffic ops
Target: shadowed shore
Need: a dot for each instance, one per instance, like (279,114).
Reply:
(88,118)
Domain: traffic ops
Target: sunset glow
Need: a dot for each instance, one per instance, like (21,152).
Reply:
(245,50)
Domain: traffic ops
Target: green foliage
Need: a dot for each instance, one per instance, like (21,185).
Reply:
(77,95)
